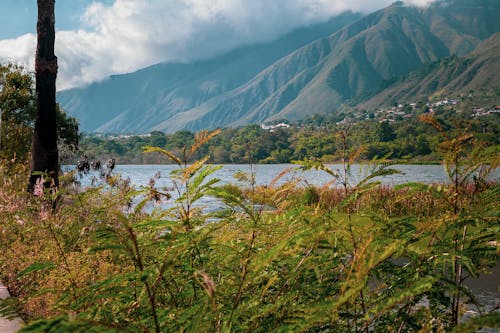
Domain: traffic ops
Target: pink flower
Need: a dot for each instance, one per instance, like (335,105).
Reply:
(38,190)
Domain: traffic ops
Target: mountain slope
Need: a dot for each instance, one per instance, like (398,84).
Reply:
(352,62)
(314,77)
(450,77)
(137,101)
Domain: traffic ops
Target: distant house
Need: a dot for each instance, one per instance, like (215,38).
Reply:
(273,127)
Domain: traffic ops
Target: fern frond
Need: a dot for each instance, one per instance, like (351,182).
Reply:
(170,155)
(201,138)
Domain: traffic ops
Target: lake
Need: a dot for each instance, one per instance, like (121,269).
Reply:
(140,175)
(265,173)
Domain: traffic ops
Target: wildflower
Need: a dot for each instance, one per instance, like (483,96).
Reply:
(38,190)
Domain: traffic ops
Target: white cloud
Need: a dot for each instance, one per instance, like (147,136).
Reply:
(131,34)
(20,50)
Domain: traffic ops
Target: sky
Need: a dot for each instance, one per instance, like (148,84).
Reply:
(98,38)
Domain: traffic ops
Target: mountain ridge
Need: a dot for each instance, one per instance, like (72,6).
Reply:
(169,87)
(451,76)
(353,61)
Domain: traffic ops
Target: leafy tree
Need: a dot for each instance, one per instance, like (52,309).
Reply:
(17,112)
(182,139)
(281,155)
(18,109)
(158,139)
(410,139)
(377,149)
(385,132)
(422,146)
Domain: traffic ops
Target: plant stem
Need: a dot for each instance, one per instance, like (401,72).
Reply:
(140,265)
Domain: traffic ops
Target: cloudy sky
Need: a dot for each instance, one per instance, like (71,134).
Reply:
(97,38)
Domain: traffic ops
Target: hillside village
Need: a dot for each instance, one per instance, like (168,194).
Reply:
(402,112)
(397,113)
(408,111)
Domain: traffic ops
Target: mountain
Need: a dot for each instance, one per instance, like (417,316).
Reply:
(317,76)
(449,77)
(138,101)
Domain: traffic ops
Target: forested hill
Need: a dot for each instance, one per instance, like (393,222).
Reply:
(264,83)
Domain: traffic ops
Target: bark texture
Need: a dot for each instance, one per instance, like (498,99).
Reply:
(44,154)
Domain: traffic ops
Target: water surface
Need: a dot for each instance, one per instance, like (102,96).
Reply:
(266,173)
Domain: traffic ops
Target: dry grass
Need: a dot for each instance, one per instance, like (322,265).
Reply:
(384,199)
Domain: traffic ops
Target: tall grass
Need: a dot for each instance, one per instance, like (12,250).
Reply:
(358,258)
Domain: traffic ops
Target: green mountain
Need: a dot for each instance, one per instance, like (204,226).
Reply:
(138,101)
(448,77)
(316,77)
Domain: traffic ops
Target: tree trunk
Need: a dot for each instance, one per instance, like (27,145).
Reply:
(44,154)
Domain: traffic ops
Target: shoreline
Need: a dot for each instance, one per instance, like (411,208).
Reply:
(391,162)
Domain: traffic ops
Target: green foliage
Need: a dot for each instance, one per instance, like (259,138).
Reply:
(490,320)
(17,109)
(64,325)
(408,140)
(454,252)
(36,267)
(385,132)
(9,308)
(17,112)
(350,256)
(311,196)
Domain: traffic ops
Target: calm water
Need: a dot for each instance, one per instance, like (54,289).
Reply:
(265,174)
(140,175)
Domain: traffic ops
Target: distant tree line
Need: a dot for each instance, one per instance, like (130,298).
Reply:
(313,138)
